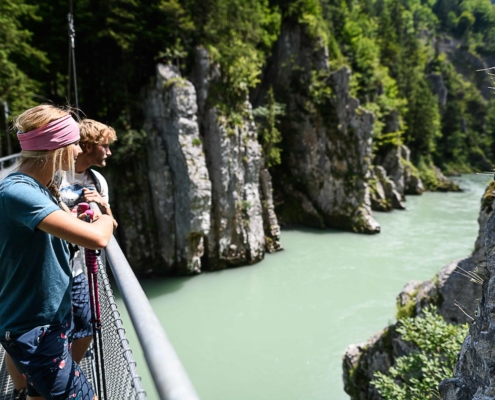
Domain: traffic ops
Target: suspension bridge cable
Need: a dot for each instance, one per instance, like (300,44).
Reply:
(72,57)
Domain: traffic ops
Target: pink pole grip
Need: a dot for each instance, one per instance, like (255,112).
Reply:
(82,207)
(91,261)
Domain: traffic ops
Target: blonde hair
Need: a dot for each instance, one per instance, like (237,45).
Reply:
(37,117)
(95,132)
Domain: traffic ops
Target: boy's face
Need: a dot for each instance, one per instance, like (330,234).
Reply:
(98,153)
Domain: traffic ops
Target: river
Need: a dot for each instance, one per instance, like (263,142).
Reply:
(277,330)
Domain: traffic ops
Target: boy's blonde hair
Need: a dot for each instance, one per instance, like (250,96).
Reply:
(95,132)
(37,117)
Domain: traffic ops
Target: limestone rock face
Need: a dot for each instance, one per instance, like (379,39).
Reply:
(179,181)
(397,163)
(270,221)
(445,184)
(193,195)
(395,168)
(448,287)
(323,179)
(473,374)
(234,161)
(466,63)
(395,176)
(384,195)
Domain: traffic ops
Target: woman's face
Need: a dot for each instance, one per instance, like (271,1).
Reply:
(70,156)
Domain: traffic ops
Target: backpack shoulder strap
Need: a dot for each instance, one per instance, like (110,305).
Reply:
(95,180)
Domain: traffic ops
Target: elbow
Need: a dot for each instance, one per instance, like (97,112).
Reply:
(98,242)
(102,232)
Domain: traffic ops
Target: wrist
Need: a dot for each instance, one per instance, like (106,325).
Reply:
(111,218)
(104,208)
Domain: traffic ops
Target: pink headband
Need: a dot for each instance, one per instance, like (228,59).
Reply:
(52,136)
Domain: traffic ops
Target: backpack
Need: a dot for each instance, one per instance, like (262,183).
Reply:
(95,180)
(58,181)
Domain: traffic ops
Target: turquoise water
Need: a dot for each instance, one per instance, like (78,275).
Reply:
(278,329)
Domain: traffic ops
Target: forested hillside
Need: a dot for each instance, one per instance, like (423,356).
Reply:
(417,58)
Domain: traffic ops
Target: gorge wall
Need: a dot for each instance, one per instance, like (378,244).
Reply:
(196,198)
(199,197)
(234,161)
(473,374)
(448,287)
(326,146)
(195,193)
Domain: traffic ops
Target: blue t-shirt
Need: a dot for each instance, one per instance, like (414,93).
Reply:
(35,277)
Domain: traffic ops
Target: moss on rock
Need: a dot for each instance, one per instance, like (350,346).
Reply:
(434,180)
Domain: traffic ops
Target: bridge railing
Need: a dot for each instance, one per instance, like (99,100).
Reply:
(6,164)
(8,160)
(169,376)
(115,375)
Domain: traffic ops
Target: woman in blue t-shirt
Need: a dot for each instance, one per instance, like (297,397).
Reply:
(35,289)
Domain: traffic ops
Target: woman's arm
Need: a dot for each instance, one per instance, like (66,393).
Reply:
(90,236)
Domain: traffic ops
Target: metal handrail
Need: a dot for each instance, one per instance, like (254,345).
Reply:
(8,158)
(6,169)
(169,376)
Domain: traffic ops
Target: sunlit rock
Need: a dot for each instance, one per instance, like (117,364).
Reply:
(383,192)
(179,181)
(399,168)
(473,374)
(326,146)
(234,160)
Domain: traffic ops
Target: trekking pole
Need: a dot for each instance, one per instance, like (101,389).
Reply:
(92,267)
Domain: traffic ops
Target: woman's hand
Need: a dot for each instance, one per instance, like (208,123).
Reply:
(96,215)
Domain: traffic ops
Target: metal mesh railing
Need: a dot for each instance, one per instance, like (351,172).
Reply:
(7,164)
(6,385)
(121,378)
(8,160)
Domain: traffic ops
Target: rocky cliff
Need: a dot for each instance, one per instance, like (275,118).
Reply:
(179,181)
(326,146)
(196,197)
(450,290)
(238,233)
(473,375)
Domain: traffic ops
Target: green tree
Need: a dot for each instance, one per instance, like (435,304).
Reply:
(269,134)
(17,54)
(416,376)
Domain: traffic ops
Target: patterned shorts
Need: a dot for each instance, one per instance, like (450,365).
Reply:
(81,311)
(43,357)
